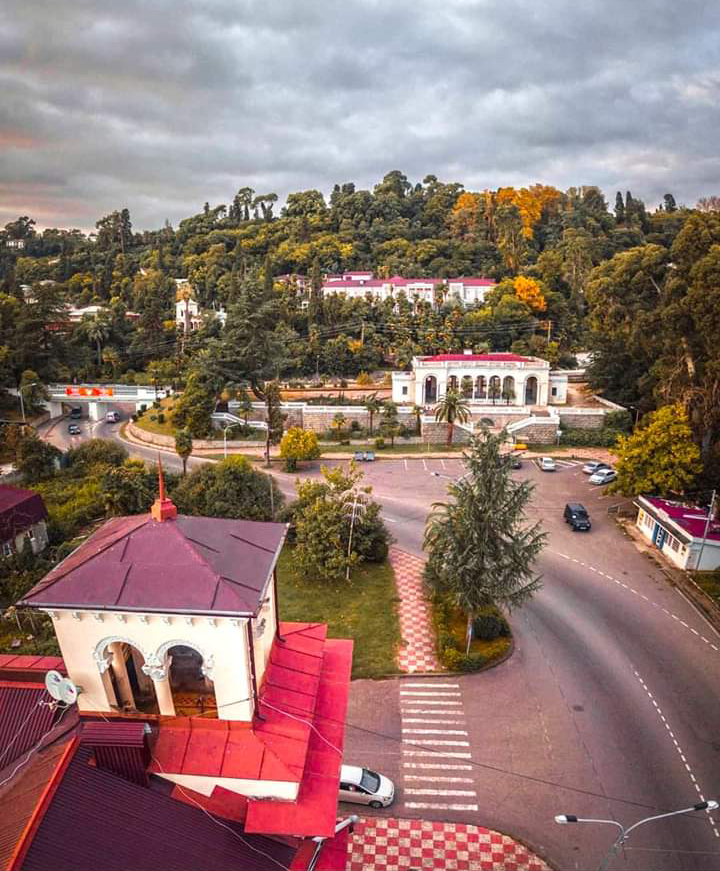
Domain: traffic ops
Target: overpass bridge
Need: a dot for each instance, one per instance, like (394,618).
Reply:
(98,397)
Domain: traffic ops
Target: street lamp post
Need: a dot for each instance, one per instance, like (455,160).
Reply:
(563,819)
(22,404)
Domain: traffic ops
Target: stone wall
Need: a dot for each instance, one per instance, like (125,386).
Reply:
(594,420)
(537,433)
(168,442)
(436,434)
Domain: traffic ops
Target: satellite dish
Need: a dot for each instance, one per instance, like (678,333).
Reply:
(62,689)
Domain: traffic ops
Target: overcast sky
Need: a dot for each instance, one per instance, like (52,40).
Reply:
(160,105)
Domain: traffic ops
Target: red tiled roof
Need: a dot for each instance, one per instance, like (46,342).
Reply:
(476,282)
(464,358)
(687,517)
(196,565)
(29,667)
(19,510)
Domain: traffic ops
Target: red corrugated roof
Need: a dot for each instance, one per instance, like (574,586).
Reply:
(464,358)
(688,517)
(197,565)
(23,720)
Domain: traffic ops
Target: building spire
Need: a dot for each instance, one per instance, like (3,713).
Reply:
(163,508)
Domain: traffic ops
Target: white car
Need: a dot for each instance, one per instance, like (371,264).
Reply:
(603,476)
(547,464)
(594,466)
(112,417)
(362,786)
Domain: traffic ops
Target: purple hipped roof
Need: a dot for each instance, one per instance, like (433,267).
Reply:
(188,565)
(19,510)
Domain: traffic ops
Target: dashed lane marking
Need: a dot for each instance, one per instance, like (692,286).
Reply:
(433,731)
(425,779)
(433,722)
(424,464)
(435,742)
(447,766)
(446,686)
(638,593)
(678,748)
(437,754)
(457,793)
(426,693)
(406,465)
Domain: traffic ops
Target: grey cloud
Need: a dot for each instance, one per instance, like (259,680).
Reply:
(162,105)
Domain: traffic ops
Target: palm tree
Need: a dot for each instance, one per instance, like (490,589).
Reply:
(452,407)
(96,330)
(418,411)
(372,406)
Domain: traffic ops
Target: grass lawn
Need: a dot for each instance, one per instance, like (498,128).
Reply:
(364,610)
(709,582)
(166,428)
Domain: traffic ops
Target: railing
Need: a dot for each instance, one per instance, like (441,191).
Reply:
(234,420)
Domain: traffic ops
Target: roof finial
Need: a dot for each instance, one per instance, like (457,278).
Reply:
(163,508)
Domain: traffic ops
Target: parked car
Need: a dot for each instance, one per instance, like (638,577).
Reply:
(515,462)
(363,786)
(603,476)
(76,412)
(547,464)
(576,515)
(112,417)
(594,466)
(74,429)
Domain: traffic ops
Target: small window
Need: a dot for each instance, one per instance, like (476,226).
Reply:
(554,391)
(404,391)
(7,549)
(30,534)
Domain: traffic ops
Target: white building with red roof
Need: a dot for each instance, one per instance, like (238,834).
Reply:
(171,621)
(685,534)
(483,379)
(356,285)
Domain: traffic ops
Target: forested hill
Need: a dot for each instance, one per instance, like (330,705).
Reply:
(639,288)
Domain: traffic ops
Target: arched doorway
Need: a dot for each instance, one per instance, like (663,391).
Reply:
(430,389)
(481,387)
(531,390)
(190,680)
(452,383)
(127,686)
(508,389)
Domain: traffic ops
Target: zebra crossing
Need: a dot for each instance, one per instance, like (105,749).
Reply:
(436,761)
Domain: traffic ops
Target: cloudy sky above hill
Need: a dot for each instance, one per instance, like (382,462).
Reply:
(160,105)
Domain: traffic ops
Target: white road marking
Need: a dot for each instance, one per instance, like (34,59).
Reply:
(438,754)
(679,750)
(447,766)
(406,465)
(433,732)
(464,793)
(446,686)
(424,464)
(439,711)
(428,702)
(390,519)
(442,462)
(437,742)
(421,805)
(434,722)
(427,779)
(426,693)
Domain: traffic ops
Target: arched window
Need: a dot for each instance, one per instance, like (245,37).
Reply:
(430,389)
(494,388)
(189,674)
(452,383)
(481,387)
(121,664)
(531,386)
(466,386)
(508,389)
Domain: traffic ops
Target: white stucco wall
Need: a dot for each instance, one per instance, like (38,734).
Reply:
(38,541)
(222,639)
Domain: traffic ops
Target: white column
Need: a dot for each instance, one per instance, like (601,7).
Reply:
(122,679)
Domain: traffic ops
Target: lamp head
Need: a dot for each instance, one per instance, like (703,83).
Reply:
(563,819)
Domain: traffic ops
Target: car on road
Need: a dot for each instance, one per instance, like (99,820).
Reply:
(515,462)
(547,464)
(363,786)
(74,429)
(76,412)
(603,476)
(576,515)
(112,417)
(594,466)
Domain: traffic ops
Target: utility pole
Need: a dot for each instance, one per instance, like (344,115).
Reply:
(711,514)
(549,330)
(352,524)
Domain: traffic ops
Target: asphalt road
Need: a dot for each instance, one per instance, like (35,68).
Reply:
(608,707)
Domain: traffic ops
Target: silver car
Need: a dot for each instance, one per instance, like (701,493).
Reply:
(363,786)
(594,466)
(603,476)
(547,464)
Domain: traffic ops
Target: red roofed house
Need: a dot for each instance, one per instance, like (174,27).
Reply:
(22,521)
(678,532)
(193,698)
(356,285)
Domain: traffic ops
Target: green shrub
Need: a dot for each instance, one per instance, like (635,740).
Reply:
(590,438)
(355,425)
(490,625)
(379,444)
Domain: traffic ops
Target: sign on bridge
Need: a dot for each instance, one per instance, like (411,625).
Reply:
(88,391)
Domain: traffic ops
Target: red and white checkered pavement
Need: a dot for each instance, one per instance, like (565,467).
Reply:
(391,845)
(418,653)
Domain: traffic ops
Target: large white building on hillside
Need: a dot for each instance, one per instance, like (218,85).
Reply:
(483,379)
(355,285)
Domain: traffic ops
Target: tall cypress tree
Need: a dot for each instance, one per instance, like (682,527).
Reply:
(619,209)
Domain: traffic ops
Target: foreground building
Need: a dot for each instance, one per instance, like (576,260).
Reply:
(198,710)
(682,533)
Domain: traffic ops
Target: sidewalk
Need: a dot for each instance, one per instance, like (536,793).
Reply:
(392,845)
(418,653)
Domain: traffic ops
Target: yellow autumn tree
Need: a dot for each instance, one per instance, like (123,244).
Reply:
(528,291)
(464,216)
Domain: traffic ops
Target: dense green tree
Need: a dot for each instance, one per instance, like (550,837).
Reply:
(194,407)
(230,488)
(481,550)
(183,447)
